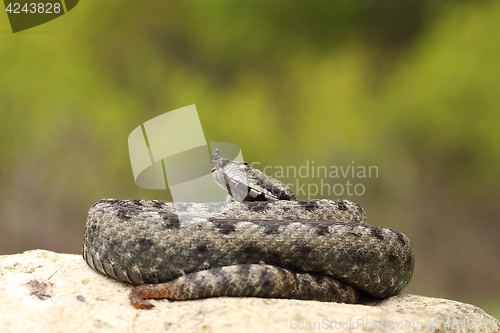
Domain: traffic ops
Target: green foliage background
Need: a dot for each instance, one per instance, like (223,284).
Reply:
(412,87)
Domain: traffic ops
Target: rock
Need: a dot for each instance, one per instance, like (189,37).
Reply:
(43,291)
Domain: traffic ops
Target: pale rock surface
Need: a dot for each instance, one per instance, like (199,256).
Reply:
(68,296)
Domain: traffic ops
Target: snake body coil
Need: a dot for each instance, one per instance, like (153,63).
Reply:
(247,247)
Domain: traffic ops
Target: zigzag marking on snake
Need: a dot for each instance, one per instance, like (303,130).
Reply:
(310,249)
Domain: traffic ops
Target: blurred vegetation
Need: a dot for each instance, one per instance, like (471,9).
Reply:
(412,87)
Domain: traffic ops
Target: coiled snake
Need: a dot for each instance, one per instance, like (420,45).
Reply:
(309,249)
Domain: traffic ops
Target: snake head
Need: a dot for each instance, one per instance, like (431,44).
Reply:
(243,183)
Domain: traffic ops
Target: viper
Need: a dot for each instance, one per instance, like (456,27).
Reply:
(264,243)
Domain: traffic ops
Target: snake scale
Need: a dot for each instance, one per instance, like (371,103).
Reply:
(302,249)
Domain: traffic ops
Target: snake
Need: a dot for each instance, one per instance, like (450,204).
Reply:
(320,249)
